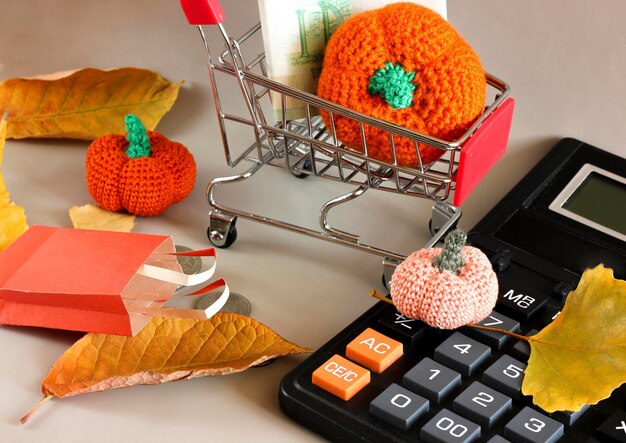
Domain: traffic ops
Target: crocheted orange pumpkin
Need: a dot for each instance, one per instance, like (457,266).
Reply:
(404,64)
(446,288)
(143,173)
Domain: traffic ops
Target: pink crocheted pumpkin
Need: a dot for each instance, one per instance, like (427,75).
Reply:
(446,288)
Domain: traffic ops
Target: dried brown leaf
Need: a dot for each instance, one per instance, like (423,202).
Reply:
(84,104)
(167,349)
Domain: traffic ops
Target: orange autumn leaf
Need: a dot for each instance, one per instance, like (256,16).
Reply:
(167,349)
(580,358)
(84,104)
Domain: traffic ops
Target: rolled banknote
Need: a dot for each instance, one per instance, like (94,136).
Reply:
(295,33)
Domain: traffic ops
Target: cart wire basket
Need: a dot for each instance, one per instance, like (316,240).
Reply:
(307,147)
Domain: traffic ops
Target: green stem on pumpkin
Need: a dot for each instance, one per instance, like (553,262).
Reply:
(450,258)
(393,84)
(138,141)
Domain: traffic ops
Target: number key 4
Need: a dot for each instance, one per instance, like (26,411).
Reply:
(462,353)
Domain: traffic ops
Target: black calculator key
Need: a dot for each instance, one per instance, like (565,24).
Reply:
(501,259)
(523,292)
(530,426)
(482,404)
(521,349)
(614,427)
(447,427)
(462,353)
(404,329)
(494,339)
(498,439)
(399,406)
(562,289)
(432,380)
(549,315)
(568,418)
(506,375)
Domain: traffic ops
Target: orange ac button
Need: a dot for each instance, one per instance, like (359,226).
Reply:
(374,350)
(341,377)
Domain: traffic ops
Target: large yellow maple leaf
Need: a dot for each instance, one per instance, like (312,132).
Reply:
(580,358)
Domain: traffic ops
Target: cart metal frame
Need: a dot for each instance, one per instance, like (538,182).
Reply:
(307,147)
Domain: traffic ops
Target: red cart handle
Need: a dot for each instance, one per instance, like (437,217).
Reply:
(203,12)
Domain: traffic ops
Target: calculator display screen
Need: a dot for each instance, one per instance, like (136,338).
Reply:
(597,198)
(601,200)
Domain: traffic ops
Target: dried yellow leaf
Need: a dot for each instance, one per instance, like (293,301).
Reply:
(167,349)
(12,217)
(580,358)
(85,104)
(93,217)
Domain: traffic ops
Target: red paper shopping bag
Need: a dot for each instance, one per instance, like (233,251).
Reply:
(93,281)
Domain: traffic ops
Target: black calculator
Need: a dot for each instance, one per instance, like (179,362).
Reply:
(388,378)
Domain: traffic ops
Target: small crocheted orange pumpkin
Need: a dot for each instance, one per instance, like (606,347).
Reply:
(404,64)
(446,288)
(143,173)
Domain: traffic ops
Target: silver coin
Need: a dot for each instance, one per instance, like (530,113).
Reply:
(236,303)
(190,265)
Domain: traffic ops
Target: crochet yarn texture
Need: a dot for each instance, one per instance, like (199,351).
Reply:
(443,299)
(404,64)
(143,173)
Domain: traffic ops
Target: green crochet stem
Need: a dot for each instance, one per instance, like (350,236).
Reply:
(394,85)
(138,141)
(450,258)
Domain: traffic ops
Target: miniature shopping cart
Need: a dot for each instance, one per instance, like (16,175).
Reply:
(306,147)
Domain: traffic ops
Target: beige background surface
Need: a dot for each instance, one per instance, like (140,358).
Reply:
(565,61)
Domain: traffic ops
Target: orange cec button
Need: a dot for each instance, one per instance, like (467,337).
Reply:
(374,350)
(341,377)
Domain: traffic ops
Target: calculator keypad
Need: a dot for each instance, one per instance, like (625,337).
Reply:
(418,383)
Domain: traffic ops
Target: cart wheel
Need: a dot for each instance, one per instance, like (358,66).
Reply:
(306,165)
(231,236)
